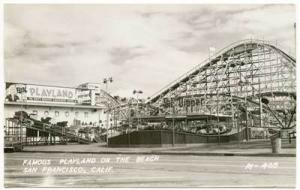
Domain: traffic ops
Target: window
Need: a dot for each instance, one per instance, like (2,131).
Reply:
(76,114)
(67,114)
(46,113)
(56,113)
(86,114)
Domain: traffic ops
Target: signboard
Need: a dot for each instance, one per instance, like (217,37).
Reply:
(258,133)
(51,94)
(183,102)
(15,93)
(84,96)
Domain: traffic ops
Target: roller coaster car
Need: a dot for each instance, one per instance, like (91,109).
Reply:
(202,131)
(25,118)
(21,115)
(216,131)
(211,129)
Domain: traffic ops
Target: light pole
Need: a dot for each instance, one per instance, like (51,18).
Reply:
(106,81)
(137,92)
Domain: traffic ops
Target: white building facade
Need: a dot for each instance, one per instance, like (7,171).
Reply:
(79,106)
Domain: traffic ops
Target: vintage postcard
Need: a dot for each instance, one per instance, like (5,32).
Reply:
(149,95)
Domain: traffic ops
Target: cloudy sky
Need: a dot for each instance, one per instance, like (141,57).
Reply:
(141,47)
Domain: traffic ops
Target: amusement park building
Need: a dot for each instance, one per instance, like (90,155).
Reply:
(79,106)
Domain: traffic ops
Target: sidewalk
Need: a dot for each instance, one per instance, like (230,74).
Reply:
(255,148)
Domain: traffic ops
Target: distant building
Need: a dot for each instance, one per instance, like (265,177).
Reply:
(80,106)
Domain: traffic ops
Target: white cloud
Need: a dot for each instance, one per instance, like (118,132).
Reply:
(142,47)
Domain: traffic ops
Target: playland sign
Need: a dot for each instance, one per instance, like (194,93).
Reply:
(50,93)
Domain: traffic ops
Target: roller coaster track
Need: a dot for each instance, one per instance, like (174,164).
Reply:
(215,57)
(53,130)
(111,103)
(245,64)
(112,99)
(257,65)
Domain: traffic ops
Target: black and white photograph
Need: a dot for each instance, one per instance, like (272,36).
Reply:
(149,95)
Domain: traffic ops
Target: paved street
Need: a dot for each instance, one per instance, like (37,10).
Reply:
(155,171)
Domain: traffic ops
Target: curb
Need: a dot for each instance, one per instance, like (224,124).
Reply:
(173,153)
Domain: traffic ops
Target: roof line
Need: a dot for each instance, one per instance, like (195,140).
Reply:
(46,85)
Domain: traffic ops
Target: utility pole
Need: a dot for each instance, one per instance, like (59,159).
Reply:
(218,120)
(246,112)
(21,127)
(173,124)
(260,105)
(106,81)
(137,92)
(107,123)
(238,123)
